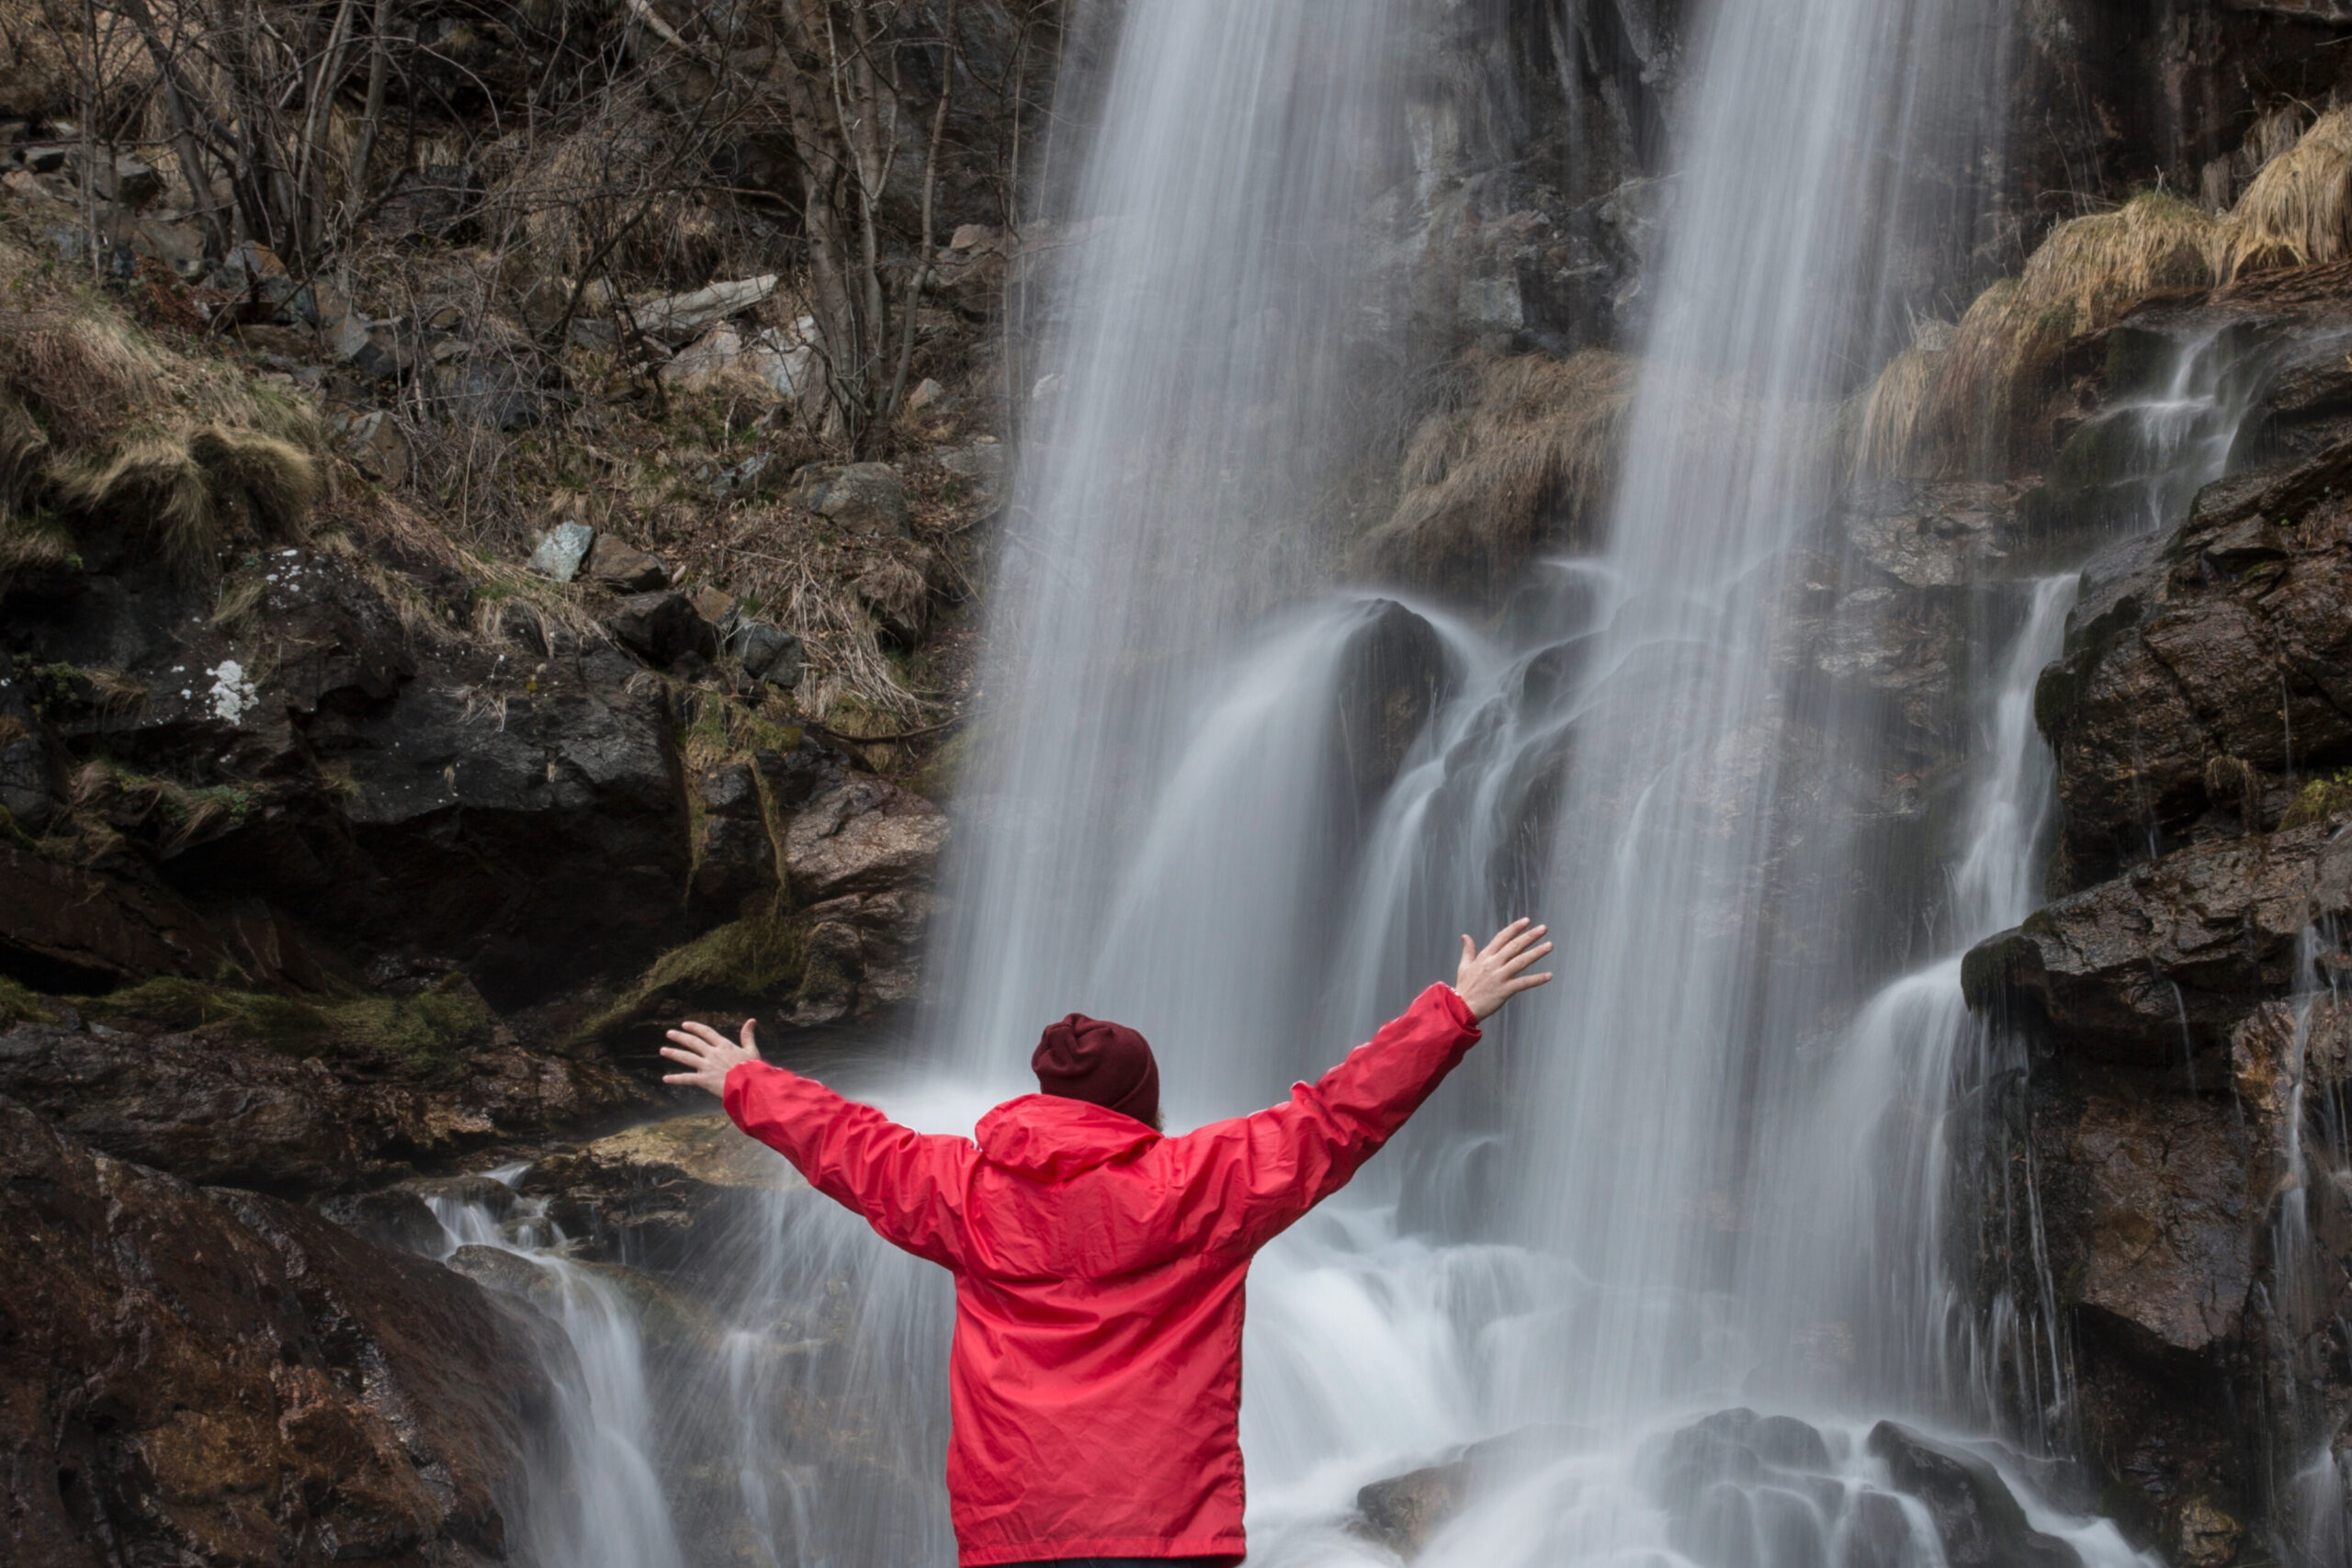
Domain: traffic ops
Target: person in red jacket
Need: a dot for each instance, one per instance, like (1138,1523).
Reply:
(1095,1377)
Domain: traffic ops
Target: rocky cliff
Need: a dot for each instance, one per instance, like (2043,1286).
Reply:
(455,621)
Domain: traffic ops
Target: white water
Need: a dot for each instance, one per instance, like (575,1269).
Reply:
(612,1512)
(1708,1166)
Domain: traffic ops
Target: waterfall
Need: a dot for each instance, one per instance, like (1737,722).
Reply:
(1709,1167)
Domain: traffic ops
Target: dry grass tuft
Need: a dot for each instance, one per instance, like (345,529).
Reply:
(1935,411)
(1886,430)
(275,479)
(102,423)
(2298,211)
(145,480)
(1529,452)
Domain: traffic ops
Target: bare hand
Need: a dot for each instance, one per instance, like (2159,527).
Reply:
(1491,975)
(710,1054)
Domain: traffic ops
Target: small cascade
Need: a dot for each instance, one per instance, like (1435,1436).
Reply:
(2297,1123)
(614,1513)
(1716,1169)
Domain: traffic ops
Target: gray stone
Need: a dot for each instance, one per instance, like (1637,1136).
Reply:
(865,497)
(614,565)
(677,319)
(770,654)
(659,626)
(561,550)
(982,466)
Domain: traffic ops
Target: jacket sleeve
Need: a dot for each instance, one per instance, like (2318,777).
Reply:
(1244,1183)
(907,1185)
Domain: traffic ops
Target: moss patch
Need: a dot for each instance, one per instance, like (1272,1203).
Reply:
(429,1031)
(18,1005)
(756,958)
(2325,797)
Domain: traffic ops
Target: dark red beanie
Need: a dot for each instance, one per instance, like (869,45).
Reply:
(1103,1064)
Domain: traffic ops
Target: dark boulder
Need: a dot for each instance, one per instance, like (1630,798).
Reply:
(1394,676)
(660,627)
(219,1376)
(1977,1517)
(735,858)
(1402,1512)
(344,1093)
(2153,967)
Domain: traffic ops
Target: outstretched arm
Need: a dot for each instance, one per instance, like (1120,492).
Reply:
(1247,1180)
(907,1185)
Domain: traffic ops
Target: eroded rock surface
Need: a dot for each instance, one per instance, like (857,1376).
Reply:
(216,1105)
(196,1375)
(2158,965)
(679,1196)
(2205,666)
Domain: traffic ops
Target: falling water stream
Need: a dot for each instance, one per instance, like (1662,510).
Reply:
(1707,1168)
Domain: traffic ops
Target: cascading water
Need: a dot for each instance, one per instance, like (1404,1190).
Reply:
(1708,1167)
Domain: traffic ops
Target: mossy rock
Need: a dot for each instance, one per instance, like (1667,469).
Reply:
(2320,800)
(18,1005)
(430,1031)
(759,958)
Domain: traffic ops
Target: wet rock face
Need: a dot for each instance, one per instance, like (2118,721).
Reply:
(2227,647)
(1976,1516)
(522,818)
(678,1198)
(2154,968)
(2167,1247)
(2168,1100)
(219,1377)
(216,1105)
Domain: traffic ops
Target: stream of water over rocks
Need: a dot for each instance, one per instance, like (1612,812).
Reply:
(1673,1269)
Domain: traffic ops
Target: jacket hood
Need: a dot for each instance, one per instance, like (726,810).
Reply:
(1053,1138)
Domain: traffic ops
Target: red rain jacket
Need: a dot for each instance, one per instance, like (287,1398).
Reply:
(1095,1380)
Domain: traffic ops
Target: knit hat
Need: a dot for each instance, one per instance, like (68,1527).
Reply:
(1099,1062)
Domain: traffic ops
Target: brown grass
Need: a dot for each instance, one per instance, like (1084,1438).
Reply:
(1529,452)
(2298,211)
(1938,413)
(1934,412)
(101,422)
(1886,429)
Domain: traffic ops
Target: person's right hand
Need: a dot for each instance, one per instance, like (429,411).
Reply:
(1492,975)
(709,1055)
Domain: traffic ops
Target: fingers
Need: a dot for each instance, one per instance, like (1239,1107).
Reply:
(1504,935)
(1525,939)
(1518,961)
(703,1035)
(1526,982)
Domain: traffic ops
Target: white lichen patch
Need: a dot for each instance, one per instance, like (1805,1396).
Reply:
(232,693)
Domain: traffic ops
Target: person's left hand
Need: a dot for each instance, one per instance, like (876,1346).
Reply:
(710,1054)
